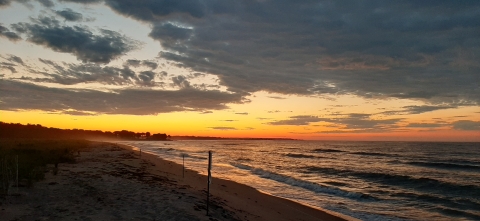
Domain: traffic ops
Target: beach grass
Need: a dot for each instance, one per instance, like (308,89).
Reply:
(30,156)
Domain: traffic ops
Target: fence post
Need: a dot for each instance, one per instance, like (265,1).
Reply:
(17,171)
(209,178)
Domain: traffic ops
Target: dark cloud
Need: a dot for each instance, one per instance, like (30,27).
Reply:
(24,96)
(466,125)
(70,73)
(298,120)
(425,125)
(242,113)
(137,63)
(8,66)
(79,41)
(47,3)
(223,128)
(169,34)
(364,121)
(15,59)
(82,1)
(425,108)
(351,122)
(133,62)
(13,62)
(150,64)
(5,32)
(78,113)
(408,50)
(276,97)
(4,3)
(181,81)
(149,10)
(415,109)
(69,15)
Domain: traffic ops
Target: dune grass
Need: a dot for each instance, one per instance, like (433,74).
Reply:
(33,155)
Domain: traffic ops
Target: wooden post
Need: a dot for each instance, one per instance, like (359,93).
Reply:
(209,178)
(17,171)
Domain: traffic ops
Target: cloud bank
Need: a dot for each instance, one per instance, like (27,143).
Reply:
(77,40)
(17,96)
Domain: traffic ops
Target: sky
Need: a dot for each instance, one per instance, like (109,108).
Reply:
(323,70)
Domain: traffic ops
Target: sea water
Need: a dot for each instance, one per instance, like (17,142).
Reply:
(365,180)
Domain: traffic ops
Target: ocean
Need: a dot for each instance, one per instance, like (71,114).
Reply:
(365,180)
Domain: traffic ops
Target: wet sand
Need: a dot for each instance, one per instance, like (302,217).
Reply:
(114,182)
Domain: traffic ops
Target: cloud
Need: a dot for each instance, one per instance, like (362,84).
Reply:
(425,125)
(242,113)
(367,48)
(69,74)
(79,41)
(82,1)
(223,128)
(25,96)
(363,121)
(137,63)
(181,81)
(169,34)
(15,59)
(466,125)
(149,10)
(425,108)
(69,15)
(418,109)
(46,3)
(4,3)
(5,32)
(298,120)
(352,122)
(78,113)
(277,97)
(8,66)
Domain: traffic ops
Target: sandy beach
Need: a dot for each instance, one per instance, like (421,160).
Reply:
(115,182)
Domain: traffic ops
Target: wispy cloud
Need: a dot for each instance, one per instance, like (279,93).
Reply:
(350,122)
(223,128)
(25,96)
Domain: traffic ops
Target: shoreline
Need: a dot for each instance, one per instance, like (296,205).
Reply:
(256,205)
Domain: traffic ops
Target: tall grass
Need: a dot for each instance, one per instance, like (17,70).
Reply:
(33,156)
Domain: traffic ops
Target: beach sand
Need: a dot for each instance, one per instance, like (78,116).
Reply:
(114,182)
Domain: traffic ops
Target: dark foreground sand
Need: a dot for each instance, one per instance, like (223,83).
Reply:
(112,182)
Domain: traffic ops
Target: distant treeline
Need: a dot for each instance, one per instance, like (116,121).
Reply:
(12,130)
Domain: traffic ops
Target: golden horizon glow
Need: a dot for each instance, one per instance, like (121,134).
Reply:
(253,120)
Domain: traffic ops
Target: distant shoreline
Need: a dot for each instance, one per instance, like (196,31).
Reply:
(225,138)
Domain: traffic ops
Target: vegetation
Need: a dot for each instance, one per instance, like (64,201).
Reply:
(11,130)
(32,156)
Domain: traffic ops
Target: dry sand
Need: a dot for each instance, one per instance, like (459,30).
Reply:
(112,182)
